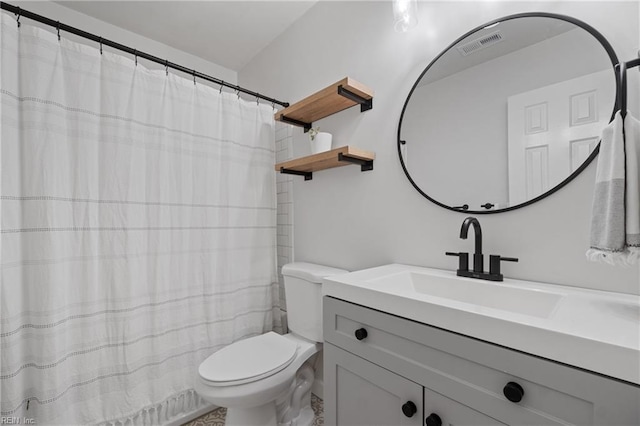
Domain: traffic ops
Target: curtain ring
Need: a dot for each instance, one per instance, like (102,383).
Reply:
(238,93)
(18,18)
(101,45)
(221,86)
(58,28)
(135,56)
(273,105)
(257,100)
(166,66)
(194,77)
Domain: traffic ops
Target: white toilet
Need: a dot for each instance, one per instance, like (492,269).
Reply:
(266,379)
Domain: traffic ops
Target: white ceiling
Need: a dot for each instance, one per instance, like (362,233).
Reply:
(228,33)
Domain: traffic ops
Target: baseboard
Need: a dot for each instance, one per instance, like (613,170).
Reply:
(179,421)
(318,388)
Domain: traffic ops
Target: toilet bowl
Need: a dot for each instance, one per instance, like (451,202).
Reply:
(267,379)
(238,388)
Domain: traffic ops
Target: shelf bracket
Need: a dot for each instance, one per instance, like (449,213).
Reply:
(365,165)
(307,126)
(365,104)
(307,175)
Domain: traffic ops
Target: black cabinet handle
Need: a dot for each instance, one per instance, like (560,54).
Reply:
(361,333)
(433,420)
(513,392)
(409,409)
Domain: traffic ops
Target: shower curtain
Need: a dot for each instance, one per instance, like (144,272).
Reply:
(138,219)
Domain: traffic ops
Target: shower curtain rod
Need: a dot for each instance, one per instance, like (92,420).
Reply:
(103,41)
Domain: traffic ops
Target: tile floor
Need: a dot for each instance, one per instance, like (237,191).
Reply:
(216,417)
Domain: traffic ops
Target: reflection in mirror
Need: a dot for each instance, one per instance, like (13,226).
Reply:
(507,113)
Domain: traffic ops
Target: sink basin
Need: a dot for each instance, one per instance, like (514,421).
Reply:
(486,294)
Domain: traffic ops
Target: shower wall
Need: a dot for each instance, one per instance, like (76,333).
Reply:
(284,152)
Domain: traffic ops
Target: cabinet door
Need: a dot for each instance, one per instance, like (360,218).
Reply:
(358,392)
(452,413)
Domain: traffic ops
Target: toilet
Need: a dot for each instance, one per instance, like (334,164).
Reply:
(266,379)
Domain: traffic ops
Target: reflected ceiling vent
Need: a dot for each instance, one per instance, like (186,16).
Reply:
(480,43)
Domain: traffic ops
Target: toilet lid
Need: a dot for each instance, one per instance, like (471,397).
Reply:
(249,359)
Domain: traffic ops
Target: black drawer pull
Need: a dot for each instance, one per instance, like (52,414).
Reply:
(361,333)
(409,409)
(433,420)
(513,392)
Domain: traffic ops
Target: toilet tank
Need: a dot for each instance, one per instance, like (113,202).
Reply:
(303,293)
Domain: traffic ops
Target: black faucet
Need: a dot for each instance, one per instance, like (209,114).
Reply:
(478,258)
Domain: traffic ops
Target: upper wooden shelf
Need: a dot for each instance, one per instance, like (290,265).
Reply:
(305,166)
(341,95)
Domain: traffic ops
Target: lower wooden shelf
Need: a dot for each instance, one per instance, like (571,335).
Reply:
(343,156)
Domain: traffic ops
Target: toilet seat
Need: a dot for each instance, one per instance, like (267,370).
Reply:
(248,360)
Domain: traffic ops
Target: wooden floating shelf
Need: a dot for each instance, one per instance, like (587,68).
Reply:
(337,97)
(338,157)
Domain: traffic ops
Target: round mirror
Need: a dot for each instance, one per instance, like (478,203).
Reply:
(509,113)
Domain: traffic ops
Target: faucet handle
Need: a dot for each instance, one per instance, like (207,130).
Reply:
(494,264)
(463,260)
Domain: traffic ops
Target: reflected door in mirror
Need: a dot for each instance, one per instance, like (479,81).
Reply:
(553,130)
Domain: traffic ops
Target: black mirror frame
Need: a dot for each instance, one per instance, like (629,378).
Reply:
(614,62)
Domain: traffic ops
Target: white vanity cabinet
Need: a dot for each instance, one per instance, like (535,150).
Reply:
(375,363)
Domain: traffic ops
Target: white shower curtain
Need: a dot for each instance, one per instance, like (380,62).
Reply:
(138,231)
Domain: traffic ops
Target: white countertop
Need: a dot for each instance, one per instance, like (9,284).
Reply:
(594,330)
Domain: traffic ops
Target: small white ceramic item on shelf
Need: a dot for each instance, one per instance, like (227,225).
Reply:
(320,141)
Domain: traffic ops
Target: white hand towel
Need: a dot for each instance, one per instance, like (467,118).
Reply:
(615,220)
(632,194)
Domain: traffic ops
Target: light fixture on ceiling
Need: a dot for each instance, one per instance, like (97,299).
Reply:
(405,15)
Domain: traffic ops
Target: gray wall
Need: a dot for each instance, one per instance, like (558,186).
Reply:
(356,220)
